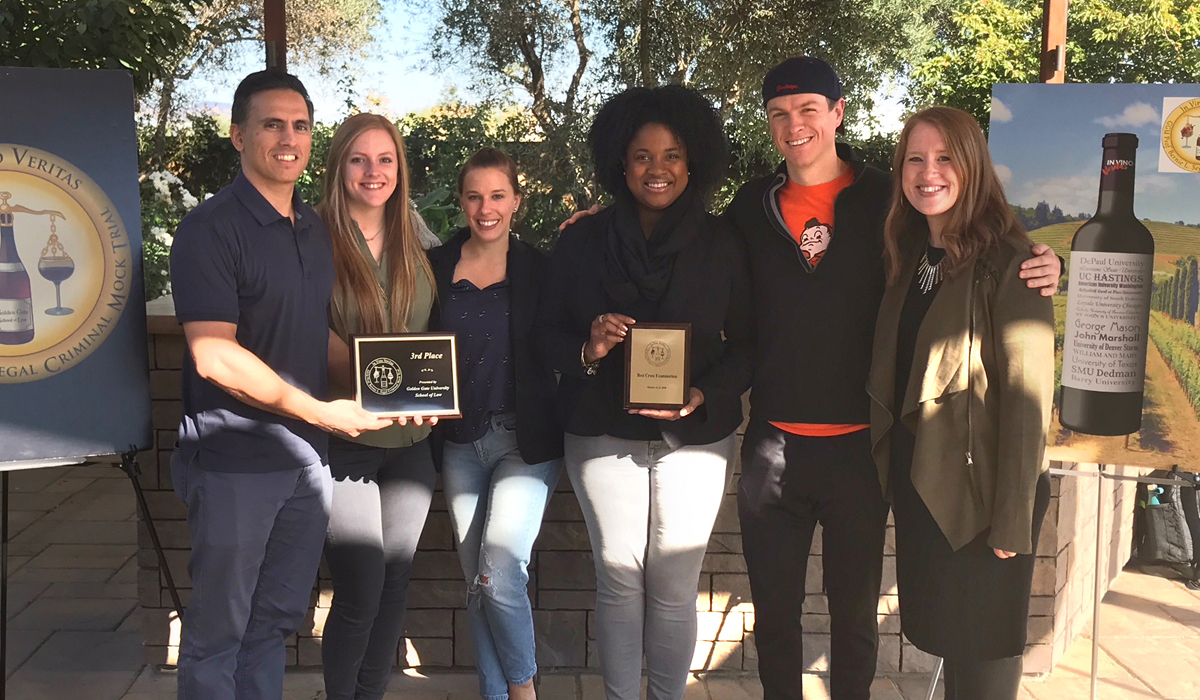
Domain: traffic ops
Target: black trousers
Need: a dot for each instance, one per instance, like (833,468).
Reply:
(999,679)
(789,484)
(380,499)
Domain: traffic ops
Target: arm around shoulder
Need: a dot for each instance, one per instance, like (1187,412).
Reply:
(1023,337)
(555,343)
(733,375)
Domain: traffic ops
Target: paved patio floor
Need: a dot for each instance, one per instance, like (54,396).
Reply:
(73,632)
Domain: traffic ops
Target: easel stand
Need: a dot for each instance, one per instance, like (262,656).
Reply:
(1101,474)
(129,465)
(4,585)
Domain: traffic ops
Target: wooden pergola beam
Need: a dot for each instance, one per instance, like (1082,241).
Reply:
(275,34)
(1054,41)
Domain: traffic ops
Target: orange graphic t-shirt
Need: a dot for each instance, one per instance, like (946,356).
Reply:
(808,212)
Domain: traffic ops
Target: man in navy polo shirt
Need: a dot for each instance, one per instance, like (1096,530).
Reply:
(252,273)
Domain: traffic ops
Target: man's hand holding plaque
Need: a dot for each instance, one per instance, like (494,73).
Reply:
(407,375)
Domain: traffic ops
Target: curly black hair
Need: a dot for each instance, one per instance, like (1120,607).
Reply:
(684,111)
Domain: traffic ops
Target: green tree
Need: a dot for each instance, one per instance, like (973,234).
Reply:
(724,48)
(1177,288)
(1041,214)
(440,140)
(564,56)
(540,47)
(136,35)
(326,34)
(982,42)
(1193,290)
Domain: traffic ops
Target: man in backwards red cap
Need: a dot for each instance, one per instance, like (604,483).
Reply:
(806,458)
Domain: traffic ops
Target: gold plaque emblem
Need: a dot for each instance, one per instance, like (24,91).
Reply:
(66,265)
(1181,136)
(383,376)
(658,353)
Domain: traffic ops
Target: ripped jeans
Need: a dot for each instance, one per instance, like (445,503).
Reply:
(496,503)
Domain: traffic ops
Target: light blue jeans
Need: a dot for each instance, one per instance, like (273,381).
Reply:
(496,503)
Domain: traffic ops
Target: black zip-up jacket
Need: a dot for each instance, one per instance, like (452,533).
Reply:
(814,330)
(539,434)
(708,289)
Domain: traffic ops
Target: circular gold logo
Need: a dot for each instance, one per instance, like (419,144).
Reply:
(383,376)
(658,353)
(66,266)
(1181,136)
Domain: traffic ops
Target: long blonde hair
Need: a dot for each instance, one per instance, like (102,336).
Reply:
(981,217)
(402,250)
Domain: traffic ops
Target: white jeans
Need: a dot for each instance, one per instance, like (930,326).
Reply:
(649,513)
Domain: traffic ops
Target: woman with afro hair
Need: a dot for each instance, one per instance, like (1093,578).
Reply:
(649,482)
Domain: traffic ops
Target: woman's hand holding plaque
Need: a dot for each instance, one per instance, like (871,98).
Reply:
(607,330)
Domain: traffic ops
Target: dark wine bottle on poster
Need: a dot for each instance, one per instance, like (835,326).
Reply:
(1108,305)
(16,303)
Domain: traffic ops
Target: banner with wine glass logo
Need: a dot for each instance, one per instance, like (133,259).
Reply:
(73,356)
(1109,176)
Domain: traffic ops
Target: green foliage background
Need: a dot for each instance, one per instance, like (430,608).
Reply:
(545,66)
(129,34)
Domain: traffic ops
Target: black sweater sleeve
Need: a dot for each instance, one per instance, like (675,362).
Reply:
(732,375)
(558,338)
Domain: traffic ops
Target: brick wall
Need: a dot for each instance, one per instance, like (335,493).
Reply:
(562,580)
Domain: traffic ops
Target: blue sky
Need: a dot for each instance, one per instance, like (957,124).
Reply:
(398,68)
(1046,143)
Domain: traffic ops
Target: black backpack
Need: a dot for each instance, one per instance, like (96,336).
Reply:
(1168,531)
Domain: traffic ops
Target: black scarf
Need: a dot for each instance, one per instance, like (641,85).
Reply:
(637,268)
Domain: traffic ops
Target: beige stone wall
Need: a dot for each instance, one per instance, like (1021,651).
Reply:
(562,585)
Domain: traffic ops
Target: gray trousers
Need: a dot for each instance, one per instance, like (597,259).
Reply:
(256,545)
(649,512)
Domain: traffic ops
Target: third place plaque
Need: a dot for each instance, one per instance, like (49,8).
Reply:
(406,374)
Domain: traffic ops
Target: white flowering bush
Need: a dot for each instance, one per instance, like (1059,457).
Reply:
(165,201)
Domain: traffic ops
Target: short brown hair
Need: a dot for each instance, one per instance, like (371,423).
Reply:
(487,157)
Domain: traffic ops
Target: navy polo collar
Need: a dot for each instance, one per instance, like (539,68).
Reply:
(261,209)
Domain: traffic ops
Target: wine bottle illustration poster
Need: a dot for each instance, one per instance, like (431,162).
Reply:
(73,363)
(1108,176)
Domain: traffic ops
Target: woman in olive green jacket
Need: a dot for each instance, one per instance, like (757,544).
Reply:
(961,386)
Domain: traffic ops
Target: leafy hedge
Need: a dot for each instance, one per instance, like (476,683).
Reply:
(200,160)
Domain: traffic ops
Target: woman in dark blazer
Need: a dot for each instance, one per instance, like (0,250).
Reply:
(961,382)
(649,482)
(501,460)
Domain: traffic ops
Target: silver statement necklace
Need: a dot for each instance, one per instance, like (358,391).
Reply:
(929,275)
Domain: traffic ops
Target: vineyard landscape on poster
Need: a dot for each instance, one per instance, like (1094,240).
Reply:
(1046,142)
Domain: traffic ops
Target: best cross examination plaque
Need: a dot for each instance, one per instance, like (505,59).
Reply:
(406,374)
(658,365)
